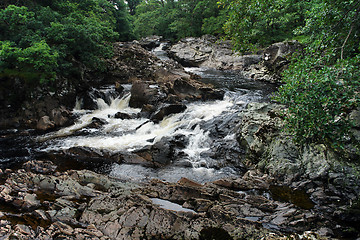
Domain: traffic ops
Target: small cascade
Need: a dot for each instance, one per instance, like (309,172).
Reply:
(195,138)
(160,52)
(199,142)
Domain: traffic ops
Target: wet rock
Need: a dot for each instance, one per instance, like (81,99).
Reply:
(276,56)
(61,116)
(43,167)
(142,93)
(211,93)
(167,110)
(45,123)
(121,115)
(157,155)
(150,42)
(97,122)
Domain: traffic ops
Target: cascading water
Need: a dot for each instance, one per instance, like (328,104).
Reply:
(198,127)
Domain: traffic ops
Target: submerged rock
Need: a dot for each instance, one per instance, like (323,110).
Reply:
(167,110)
(122,115)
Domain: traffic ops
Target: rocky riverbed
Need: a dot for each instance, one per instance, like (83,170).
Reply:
(151,152)
(48,204)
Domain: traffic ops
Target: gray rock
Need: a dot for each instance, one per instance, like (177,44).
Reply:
(45,123)
(211,53)
(167,110)
(150,42)
(276,56)
(142,93)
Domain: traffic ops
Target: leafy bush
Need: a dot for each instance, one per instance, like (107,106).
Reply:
(37,62)
(319,97)
(43,39)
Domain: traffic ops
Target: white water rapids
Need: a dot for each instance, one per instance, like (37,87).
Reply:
(194,125)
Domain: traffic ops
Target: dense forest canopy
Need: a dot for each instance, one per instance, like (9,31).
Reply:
(41,39)
(177,19)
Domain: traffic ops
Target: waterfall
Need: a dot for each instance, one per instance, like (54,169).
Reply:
(196,130)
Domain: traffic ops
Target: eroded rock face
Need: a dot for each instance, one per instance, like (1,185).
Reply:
(276,56)
(83,204)
(209,52)
(311,167)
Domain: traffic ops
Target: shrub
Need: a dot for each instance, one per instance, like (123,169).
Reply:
(319,98)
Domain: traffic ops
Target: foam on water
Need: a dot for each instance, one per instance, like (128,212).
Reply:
(194,126)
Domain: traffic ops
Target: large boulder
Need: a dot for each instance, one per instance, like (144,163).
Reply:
(211,53)
(142,93)
(277,56)
(167,110)
(150,42)
(45,123)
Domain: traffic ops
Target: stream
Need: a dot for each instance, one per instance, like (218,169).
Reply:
(200,141)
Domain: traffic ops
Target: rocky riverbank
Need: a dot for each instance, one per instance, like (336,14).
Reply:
(305,192)
(47,204)
(210,52)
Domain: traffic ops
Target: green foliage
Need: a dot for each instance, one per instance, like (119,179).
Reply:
(43,39)
(318,97)
(132,5)
(322,86)
(36,61)
(178,19)
(257,23)
(328,24)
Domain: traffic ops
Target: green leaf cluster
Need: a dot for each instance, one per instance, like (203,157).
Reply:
(319,97)
(177,19)
(257,23)
(42,39)
(322,87)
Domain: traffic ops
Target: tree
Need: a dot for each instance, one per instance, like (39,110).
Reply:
(322,87)
(178,19)
(132,5)
(42,39)
(257,23)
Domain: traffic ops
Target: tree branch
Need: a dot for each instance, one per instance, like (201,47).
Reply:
(346,39)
